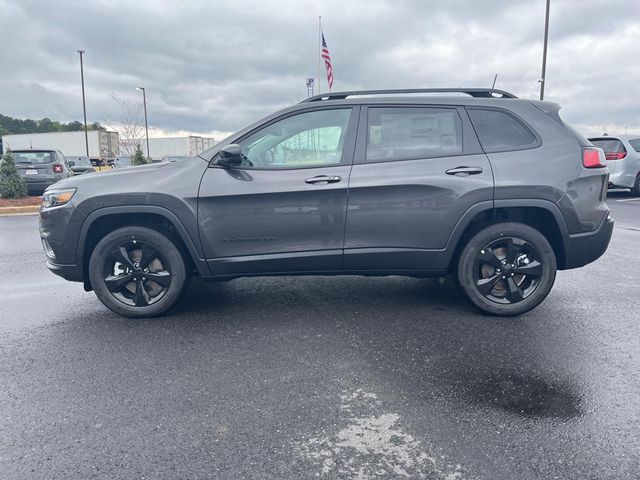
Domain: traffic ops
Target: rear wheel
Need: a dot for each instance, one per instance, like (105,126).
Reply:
(507,269)
(635,190)
(137,272)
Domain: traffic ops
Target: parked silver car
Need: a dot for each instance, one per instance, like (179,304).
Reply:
(623,159)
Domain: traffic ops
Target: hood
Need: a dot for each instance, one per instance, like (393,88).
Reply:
(110,176)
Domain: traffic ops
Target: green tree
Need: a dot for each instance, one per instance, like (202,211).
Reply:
(12,185)
(138,157)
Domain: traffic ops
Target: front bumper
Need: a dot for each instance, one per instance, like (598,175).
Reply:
(72,273)
(584,248)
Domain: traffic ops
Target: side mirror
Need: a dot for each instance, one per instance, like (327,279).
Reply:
(230,156)
(71,163)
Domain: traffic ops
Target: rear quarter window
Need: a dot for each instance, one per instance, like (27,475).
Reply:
(635,144)
(498,130)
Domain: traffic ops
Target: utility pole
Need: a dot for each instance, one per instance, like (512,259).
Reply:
(84,103)
(146,125)
(544,52)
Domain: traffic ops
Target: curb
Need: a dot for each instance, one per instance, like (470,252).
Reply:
(23,209)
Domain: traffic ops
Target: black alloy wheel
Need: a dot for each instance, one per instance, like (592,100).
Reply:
(135,274)
(506,269)
(137,271)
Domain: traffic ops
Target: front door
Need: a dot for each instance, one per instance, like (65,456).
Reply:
(417,170)
(283,209)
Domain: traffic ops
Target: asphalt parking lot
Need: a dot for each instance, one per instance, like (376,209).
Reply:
(313,377)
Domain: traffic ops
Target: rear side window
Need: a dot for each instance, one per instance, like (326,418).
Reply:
(499,131)
(635,144)
(406,133)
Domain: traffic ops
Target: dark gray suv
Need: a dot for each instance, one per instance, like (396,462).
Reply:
(495,190)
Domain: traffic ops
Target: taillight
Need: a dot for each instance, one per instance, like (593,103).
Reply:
(593,158)
(57,168)
(615,156)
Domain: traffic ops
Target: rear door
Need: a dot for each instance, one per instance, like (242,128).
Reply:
(284,209)
(417,170)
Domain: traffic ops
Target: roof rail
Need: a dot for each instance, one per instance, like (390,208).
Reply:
(474,92)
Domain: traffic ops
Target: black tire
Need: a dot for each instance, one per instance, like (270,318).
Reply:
(507,269)
(636,187)
(137,272)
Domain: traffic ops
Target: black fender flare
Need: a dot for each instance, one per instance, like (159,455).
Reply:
(198,261)
(445,258)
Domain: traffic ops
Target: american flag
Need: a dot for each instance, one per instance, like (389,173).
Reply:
(327,62)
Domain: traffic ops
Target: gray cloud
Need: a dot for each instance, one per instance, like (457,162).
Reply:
(216,66)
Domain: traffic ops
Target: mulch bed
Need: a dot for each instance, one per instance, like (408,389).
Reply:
(20,202)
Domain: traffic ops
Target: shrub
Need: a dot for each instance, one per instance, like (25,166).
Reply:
(12,185)
(138,157)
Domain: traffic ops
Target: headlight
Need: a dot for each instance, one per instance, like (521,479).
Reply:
(55,198)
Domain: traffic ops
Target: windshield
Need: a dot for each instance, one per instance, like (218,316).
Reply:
(33,157)
(81,161)
(609,145)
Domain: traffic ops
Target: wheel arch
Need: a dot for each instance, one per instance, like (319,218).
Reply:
(107,219)
(542,215)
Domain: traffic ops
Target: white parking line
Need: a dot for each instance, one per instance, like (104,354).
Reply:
(629,200)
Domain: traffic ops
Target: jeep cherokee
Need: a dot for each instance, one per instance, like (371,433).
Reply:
(493,189)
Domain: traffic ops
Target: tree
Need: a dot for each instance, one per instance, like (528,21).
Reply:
(138,156)
(12,185)
(130,127)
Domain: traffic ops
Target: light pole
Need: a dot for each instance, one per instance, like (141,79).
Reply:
(544,52)
(146,125)
(84,103)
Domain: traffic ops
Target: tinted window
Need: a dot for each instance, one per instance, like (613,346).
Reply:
(635,144)
(309,139)
(411,133)
(499,131)
(609,145)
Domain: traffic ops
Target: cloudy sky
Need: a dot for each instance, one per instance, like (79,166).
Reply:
(213,66)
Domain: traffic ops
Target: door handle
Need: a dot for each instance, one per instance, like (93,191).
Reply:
(464,171)
(323,179)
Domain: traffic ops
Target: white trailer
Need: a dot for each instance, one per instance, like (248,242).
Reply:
(103,145)
(160,147)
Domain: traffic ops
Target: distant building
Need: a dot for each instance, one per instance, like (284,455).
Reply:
(160,147)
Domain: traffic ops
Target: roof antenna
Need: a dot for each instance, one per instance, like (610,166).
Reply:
(494,81)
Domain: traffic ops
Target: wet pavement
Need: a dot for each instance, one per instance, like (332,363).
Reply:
(314,377)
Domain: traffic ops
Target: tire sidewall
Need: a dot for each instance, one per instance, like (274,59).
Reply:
(466,264)
(167,249)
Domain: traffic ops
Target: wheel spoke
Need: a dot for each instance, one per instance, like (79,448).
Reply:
(485,285)
(533,269)
(513,249)
(161,278)
(148,255)
(514,294)
(115,283)
(486,255)
(142,297)
(121,255)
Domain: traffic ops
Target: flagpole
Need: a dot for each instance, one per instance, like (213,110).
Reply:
(319,49)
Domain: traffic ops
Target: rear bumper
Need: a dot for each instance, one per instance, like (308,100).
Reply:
(584,248)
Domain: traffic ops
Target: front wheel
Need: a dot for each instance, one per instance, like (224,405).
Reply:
(137,272)
(507,269)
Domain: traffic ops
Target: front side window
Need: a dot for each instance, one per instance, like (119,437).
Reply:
(406,133)
(498,130)
(311,139)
